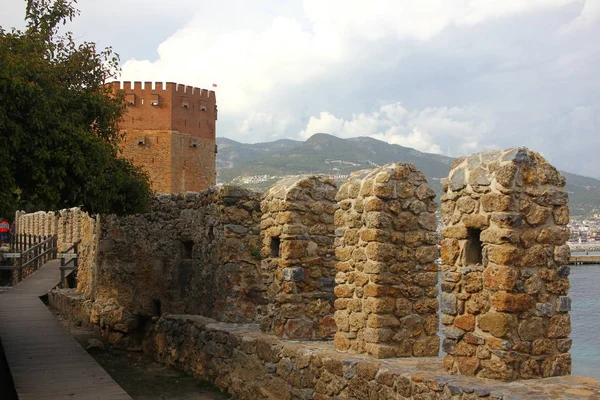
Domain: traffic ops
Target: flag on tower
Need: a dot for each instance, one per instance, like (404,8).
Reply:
(214,85)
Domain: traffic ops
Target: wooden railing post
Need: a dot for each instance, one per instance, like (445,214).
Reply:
(62,273)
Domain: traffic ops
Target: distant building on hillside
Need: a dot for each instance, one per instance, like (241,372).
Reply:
(170,130)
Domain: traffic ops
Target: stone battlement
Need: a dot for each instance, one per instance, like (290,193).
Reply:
(162,87)
(308,261)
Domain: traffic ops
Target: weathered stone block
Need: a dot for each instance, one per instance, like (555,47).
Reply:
(465,322)
(495,202)
(467,204)
(563,304)
(448,303)
(382,321)
(405,221)
(384,252)
(476,221)
(495,235)
(295,274)
(381,350)
(558,326)
(537,215)
(498,324)
(531,328)
(545,309)
(426,254)
(378,335)
(379,304)
(455,232)
(507,219)
(427,221)
(293,249)
(556,235)
(503,254)
(427,347)
(511,302)
(299,328)
(556,365)
(500,277)
(450,251)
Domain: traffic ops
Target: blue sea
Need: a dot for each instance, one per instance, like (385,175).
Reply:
(585,319)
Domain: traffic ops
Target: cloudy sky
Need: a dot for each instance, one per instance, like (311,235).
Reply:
(442,76)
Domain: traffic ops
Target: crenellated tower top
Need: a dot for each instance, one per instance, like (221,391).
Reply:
(162,88)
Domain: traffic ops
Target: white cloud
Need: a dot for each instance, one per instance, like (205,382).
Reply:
(453,131)
(469,74)
(250,63)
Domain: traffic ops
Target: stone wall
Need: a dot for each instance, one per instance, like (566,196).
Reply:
(505,275)
(252,365)
(69,225)
(386,247)
(196,253)
(297,248)
(240,258)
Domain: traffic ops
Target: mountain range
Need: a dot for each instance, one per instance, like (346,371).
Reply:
(260,165)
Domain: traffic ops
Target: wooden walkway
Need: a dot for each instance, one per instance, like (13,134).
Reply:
(46,362)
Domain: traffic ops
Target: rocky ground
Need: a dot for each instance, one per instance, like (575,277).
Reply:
(139,375)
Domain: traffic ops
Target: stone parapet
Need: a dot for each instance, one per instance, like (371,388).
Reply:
(194,253)
(386,276)
(253,365)
(505,276)
(297,235)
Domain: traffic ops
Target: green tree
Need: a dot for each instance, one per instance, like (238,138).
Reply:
(59,139)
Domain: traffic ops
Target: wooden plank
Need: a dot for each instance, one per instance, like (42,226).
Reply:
(46,362)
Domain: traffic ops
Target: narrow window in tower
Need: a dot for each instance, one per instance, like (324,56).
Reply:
(275,242)
(473,248)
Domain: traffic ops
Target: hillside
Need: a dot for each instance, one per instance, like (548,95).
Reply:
(260,165)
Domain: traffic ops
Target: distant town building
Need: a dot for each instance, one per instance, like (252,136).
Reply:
(170,130)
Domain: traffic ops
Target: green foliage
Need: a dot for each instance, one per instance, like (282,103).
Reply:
(255,252)
(58,122)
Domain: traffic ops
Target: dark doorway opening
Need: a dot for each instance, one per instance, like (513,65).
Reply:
(187,249)
(156,308)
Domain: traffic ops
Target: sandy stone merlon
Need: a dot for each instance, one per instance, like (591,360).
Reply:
(297,234)
(504,304)
(386,277)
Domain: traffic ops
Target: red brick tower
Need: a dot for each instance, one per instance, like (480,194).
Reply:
(170,130)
